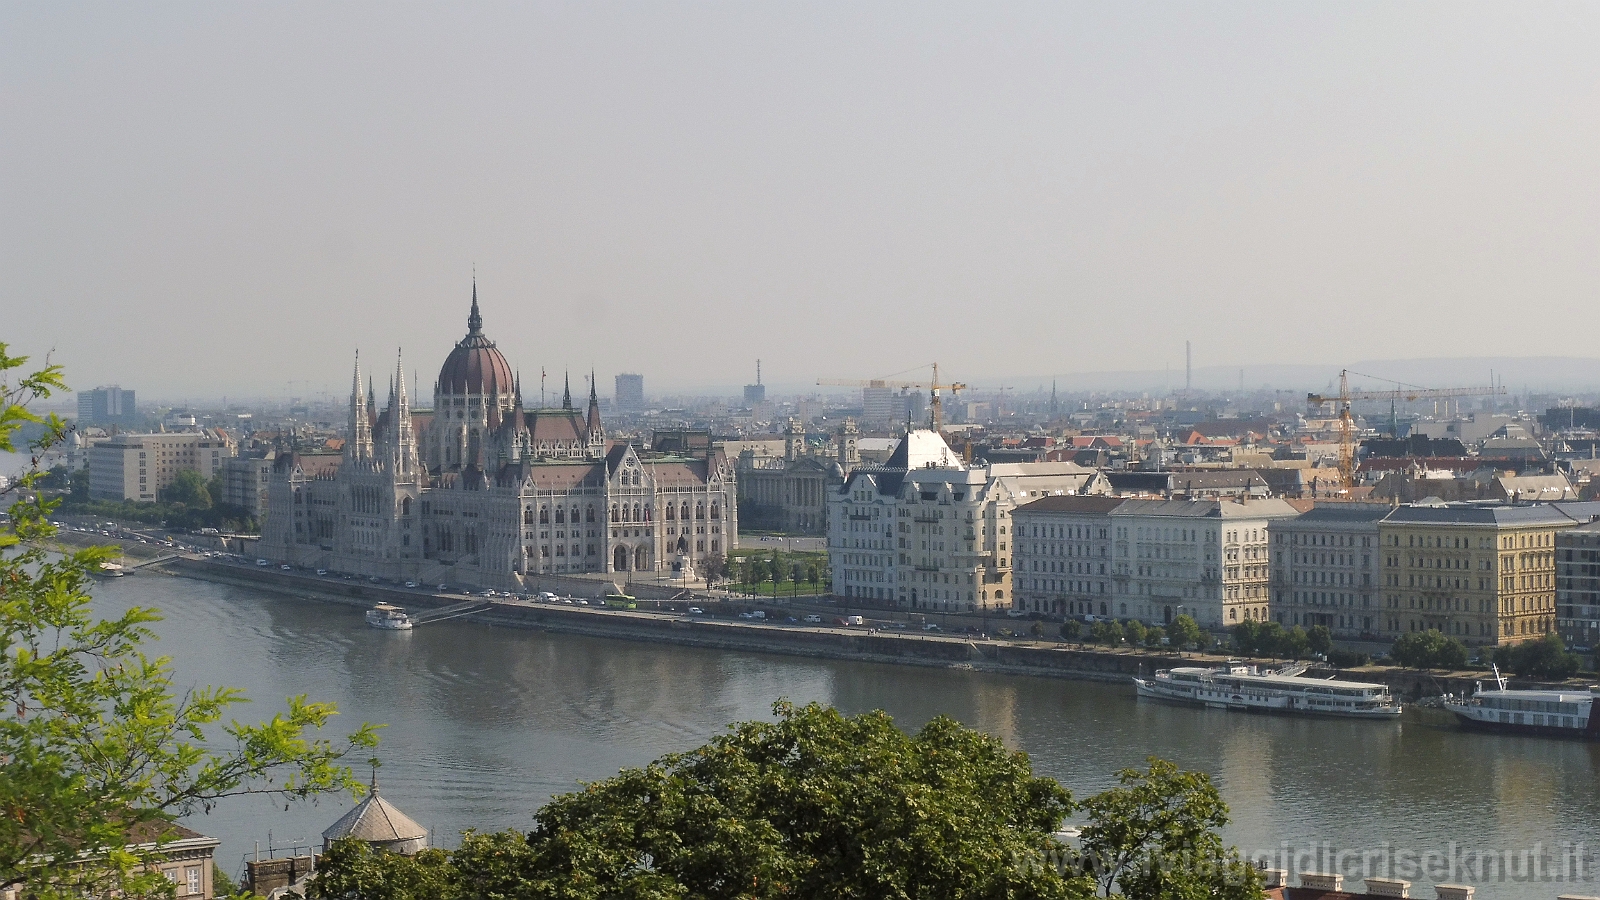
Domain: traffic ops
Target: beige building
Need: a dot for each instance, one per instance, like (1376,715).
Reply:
(245,480)
(1484,573)
(927,531)
(138,466)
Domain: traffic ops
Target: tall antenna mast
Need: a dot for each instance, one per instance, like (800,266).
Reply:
(1188,367)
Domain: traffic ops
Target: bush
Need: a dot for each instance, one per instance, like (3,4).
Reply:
(1269,639)
(1429,650)
(1108,633)
(1347,659)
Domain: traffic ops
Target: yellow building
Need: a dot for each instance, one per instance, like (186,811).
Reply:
(1482,573)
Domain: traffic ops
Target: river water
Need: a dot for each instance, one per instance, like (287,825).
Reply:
(484,724)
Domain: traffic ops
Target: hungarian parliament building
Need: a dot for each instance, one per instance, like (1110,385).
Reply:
(481,491)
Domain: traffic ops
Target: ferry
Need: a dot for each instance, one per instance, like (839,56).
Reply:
(1239,687)
(1557,713)
(389,616)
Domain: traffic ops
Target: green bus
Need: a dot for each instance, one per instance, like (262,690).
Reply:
(621,601)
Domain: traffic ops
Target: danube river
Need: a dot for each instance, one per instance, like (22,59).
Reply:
(485,723)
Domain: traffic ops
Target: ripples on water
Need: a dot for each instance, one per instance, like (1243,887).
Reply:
(484,724)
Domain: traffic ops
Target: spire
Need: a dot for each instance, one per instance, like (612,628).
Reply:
(402,440)
(566,392)
(596,433)
(474,319)
(360,444)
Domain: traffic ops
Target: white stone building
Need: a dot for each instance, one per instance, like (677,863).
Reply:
(927,531)
(1325,569)
(138,466)
(1063,564)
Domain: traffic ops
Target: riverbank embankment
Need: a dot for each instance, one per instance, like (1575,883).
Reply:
(1035,658)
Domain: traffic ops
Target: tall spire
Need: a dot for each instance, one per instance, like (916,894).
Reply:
(360,445)
(566,392)
(474,320)
(402,440)
(592,425)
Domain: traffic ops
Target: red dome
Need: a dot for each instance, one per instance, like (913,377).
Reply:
(475,366)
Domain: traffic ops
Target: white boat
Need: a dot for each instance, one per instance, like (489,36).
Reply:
(389,616)
(1558,713)
(1240,687)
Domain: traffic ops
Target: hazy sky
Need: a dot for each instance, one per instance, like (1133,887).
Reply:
(202,199)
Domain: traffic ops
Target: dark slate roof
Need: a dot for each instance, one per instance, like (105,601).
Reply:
(1340,514)
(1478,515)
(1067,503)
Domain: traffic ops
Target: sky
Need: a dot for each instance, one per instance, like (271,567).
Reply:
(210,199)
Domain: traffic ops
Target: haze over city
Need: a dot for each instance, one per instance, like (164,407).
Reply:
(215,199)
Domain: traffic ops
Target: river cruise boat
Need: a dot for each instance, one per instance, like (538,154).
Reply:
(1556,713)
(1245,688)
(390,617)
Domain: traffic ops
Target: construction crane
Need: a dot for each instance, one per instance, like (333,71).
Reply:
(1347,441)
(935,408)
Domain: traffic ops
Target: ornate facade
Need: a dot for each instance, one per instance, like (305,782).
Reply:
(482,491)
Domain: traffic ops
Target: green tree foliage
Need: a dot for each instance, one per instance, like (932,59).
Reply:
(819,805)
(1155,836)
(188,487)
(1252,638)
(1155,637)
(1106,632)
(1134,631)
(1071,630)
(813,575)
(95,740)
(1036,629)
(1320,639)
(1546,658)
(1428,650)
(1183,631)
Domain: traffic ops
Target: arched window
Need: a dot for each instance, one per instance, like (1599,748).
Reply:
(527,516)
(672,512)
(625,517)
(685,511)
(561,515)
(716,512)
(614,513)
(699,510)
(638,513)
(405,506)
(647,512)
(544,515)
(575,515)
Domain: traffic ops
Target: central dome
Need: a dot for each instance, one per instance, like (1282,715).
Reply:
(475,366)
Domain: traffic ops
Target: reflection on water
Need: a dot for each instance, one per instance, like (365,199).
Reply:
(484,724)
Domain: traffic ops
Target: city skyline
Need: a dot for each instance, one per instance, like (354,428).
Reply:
(256,191)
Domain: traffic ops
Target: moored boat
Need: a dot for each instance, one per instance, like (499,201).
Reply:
(1239,687)
(1554,713)
(389,616)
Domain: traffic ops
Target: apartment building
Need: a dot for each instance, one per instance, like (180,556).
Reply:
(1326,569)
(138,466)
(1485,573)
(1062,563)
(1578,586)
(927,531)
(245,480)
(1205,558)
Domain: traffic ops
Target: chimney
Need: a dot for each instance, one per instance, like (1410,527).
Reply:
(1388,887)
(1454,891)
(1274,878)
(1322,881)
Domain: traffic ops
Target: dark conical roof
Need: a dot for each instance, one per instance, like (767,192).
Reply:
(476,366)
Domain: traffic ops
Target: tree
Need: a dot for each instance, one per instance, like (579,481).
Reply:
(95,741)
(714,568)
(1155,637)
(1546,658)
(1293,644)
(814,804)
(1320,640)
(1246,637)
(755,572)
(777,572)
(189,488)
(1155,836)
(1134,630)
(1106,632)
(817,804)
(1037,629)
(1183,631)
(813,575)
(1071,630)
(797,574)
(1428,650)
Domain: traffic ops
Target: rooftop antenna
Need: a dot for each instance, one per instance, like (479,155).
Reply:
(1188,367)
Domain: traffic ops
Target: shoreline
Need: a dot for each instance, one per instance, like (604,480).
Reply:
(818,642)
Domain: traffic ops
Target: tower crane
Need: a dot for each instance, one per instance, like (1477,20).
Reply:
(1347,449)
(935,408)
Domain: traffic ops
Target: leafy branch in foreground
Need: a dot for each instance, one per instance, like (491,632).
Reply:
(95,742)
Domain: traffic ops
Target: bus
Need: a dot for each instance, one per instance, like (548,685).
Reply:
(621,601)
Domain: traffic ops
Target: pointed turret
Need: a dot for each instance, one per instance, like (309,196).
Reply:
(597,433)
(360,444)
(402,440)
(474,320)
(566,391)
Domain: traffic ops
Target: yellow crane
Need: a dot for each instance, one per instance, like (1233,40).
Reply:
(936,409)
(1347,446)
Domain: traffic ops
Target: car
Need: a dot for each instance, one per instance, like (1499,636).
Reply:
(747,615)
(568,601)
(546,597)
(411,584)
(791,620)
(813,619)
(931,626)
(581,602)
(443,588)
(696,611)
(262,562)
(286,567)
(322,571)
(373,578)
(1015,613)
(487,594)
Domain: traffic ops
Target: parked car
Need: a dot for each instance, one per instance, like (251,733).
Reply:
(581,602)
(696,611)
(322,571)
(286,567)
(814,619)
(262,562)
(411,584)
(546,597)
(931,626)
